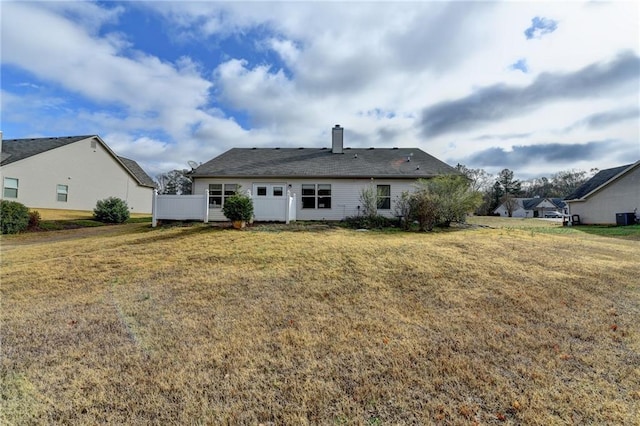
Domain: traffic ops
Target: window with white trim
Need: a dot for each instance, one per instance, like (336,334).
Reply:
(384,197)
(316,196)
(10,189)
(62,191)
(219,192)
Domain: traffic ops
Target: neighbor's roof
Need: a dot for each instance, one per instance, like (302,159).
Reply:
(18,149)
(321,162)
(601,178)
(532,203)
(137,171)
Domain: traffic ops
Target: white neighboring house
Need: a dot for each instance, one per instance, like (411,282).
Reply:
(532,207)
(327,182)
(606,195)
(71,173)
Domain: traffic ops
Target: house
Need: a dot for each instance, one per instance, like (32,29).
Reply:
(606,195)
(71,173)
(327,182)
(532,207)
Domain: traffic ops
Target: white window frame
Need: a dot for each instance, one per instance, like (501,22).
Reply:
(226,190)
(9,185)
(380,199)
(316,196)
(62,190)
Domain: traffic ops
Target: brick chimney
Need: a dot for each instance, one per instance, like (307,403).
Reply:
(336,139)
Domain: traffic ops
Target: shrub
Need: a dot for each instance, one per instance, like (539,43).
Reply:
(238,207)
(34,220)
(111,210)
(369,222)
(14,217)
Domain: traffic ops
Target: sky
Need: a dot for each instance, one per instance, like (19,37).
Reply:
(535,87)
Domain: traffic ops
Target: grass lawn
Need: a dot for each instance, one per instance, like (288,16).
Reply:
(272,325)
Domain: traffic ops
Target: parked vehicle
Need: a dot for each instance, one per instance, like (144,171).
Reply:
(553,215)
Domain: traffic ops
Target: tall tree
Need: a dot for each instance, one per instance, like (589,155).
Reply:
(566,181)
(507,183)
(479,179)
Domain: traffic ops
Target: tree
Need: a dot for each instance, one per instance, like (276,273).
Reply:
(479,179)
(510,203)
(444,199)
(174,182)
(567,181)
(507,183)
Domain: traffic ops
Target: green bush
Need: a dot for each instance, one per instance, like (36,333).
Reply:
(111,210)
(238,207)
(14,217)
(370,222)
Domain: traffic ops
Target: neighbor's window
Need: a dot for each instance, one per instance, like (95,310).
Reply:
(384,197)
(261,191)
(277,191)
(10,188)
(62,191)
(316,196)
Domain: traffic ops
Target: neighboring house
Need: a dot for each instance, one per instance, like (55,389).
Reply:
(71,173)
(327,182)
(532,207)
(607,194)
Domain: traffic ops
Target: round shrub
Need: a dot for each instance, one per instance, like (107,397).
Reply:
(238,207)
(14,217)
(111,210)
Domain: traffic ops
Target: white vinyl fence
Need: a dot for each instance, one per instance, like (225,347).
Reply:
(180,207)
(196,207)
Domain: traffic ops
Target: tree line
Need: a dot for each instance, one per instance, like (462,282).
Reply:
(504,187)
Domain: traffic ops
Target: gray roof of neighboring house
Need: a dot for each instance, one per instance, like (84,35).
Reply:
(600,178)
(322,162)
(531,203)
(137,171)
(18,149)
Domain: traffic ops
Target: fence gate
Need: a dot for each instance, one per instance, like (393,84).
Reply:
(270,201)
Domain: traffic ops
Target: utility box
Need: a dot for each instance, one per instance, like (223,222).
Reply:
(624,219)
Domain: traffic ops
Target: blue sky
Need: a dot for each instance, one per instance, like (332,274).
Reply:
(536,87)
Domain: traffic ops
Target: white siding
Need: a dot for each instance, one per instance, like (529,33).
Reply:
(621,196)
(345,195)
(91,174)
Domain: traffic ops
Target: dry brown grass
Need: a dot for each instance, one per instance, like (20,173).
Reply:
(205,325)
(59,214)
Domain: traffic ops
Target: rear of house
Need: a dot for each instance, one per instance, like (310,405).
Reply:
(71,173)
(327,182)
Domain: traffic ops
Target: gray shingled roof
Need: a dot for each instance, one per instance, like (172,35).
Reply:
(531,203)
(321,162)
(596,181)
(18,149)
(141,175)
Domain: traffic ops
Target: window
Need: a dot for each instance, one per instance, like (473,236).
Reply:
(219,192)
(308,196)
(324,196)
(384,197)
(62,191)
(277,191)
(215,195)
(261,191)
(316,196)
(10,188)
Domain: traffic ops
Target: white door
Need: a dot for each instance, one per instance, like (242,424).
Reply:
(269,201)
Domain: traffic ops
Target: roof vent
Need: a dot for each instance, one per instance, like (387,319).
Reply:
(418,168)
(277,147)
(355,155)
(371,148)
(395,147)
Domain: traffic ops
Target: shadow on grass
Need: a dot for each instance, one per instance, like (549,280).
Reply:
(186,229)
